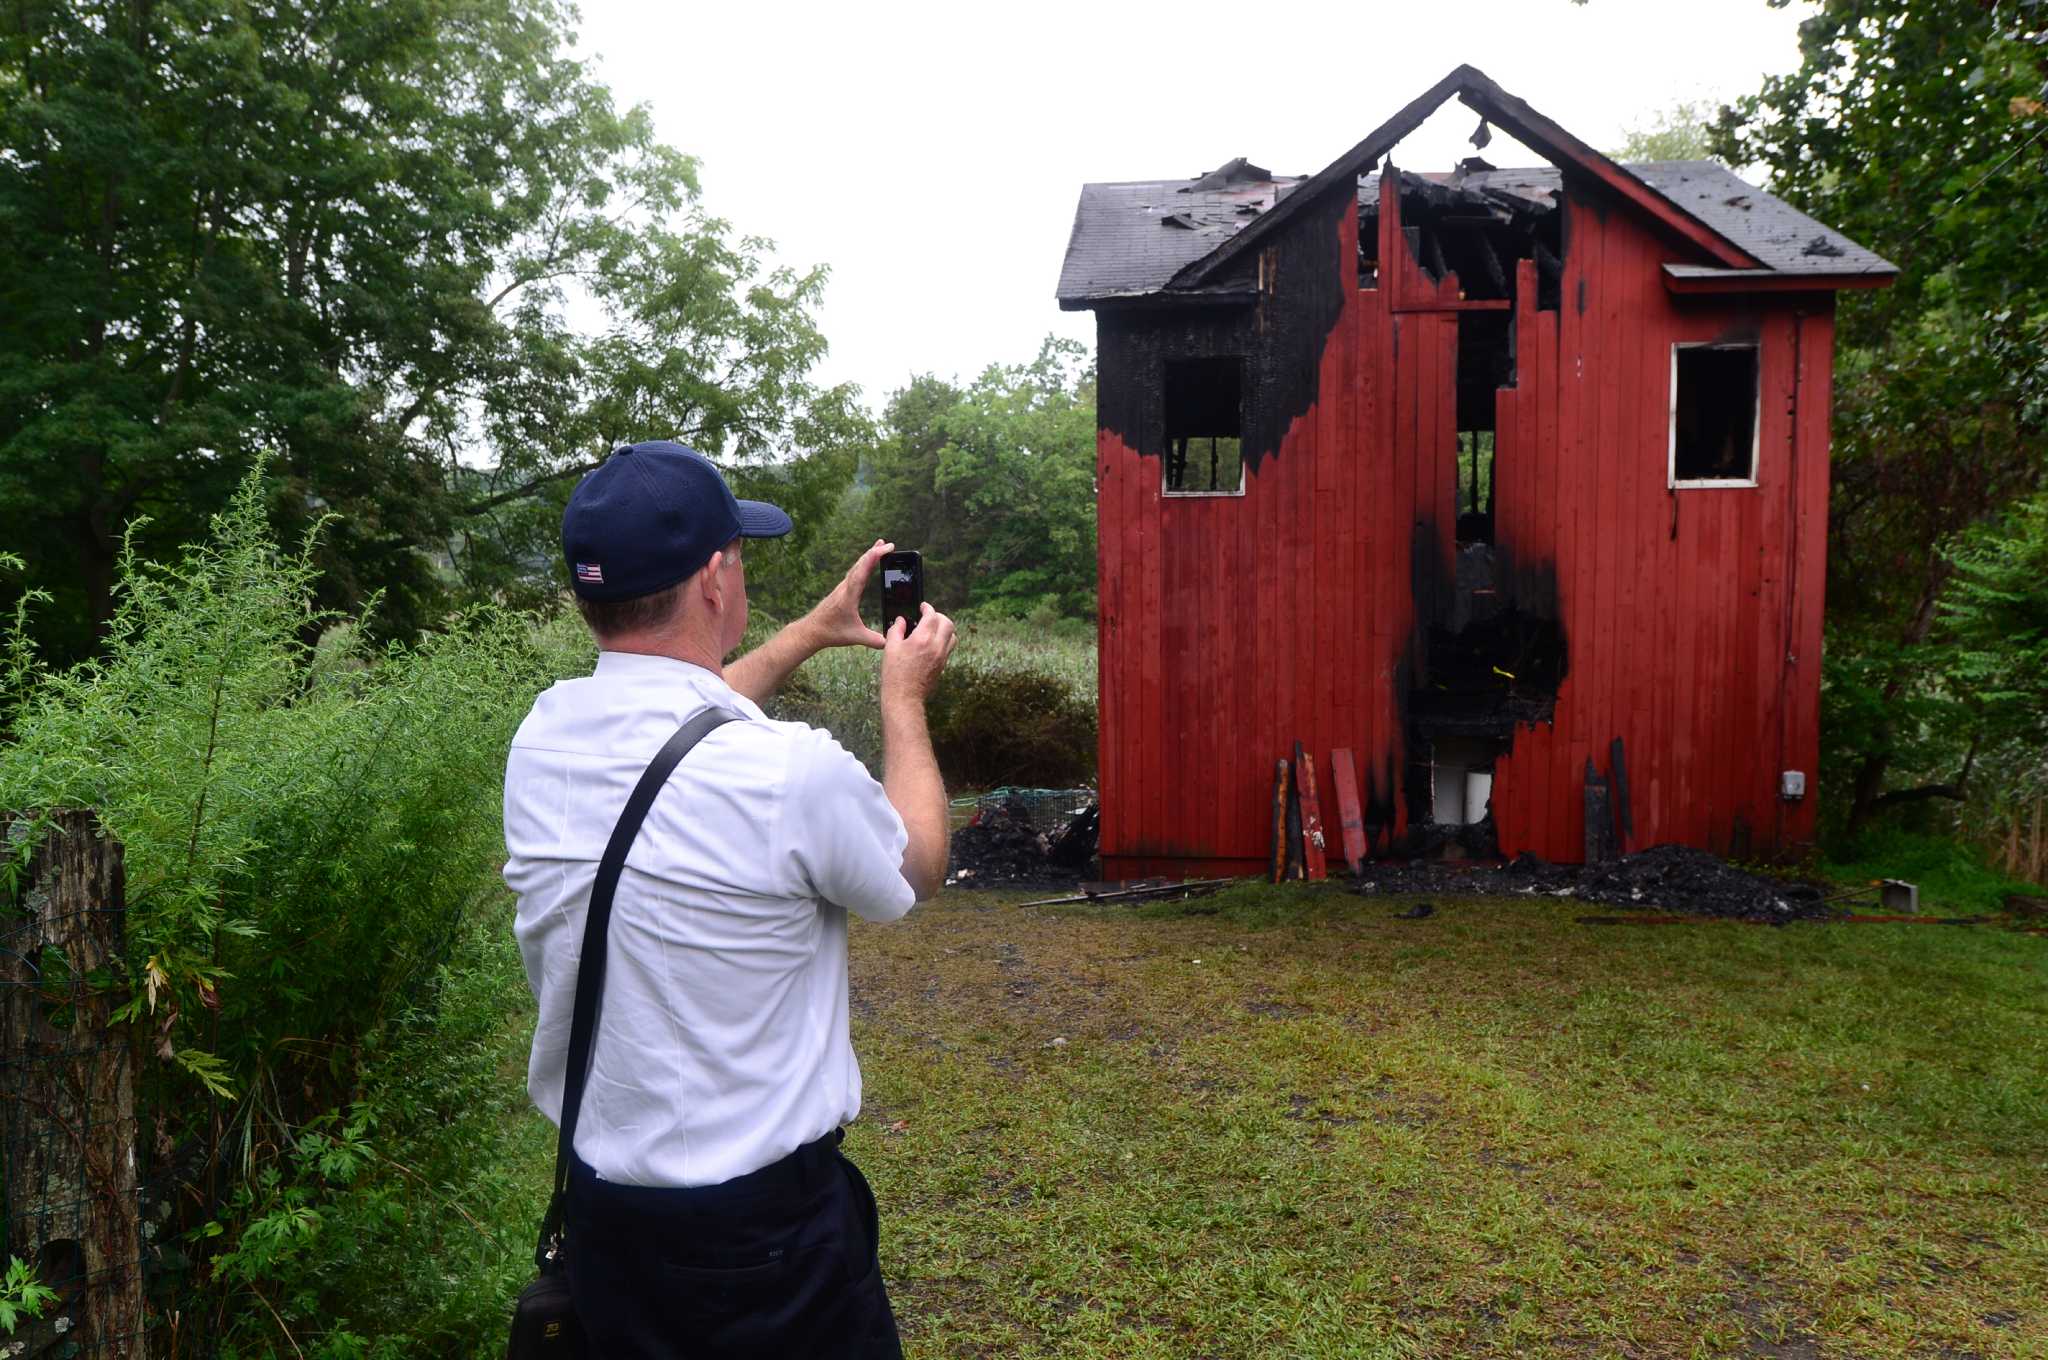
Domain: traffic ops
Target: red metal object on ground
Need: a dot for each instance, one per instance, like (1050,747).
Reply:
(1311,815)
(1345,777)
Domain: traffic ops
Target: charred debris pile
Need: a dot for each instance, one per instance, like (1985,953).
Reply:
(1667,878)
(1020,839)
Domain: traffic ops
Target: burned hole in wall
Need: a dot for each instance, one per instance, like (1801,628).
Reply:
(1204,426)
(1490,659)
(1486,363)
(1471,223)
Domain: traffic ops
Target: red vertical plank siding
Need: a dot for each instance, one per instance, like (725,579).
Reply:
(1648,656)
(1650,790)
(1577,510)
(1756,623)
(1376,462)
(1773,637)
(1625,660)
(1547,833)
(1262,568)
(1616,280)
(1336,609)
(1231,627)
(1131,471)
(1110,726)
(1807,569)
(1646,667)
(1176,602)
(1149,630)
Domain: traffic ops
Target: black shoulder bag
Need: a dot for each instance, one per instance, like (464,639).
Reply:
(544,1323)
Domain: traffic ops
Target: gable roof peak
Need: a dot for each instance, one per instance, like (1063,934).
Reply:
(1476,91)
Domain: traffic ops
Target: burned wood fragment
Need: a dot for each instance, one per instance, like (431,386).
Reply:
(1624,816)
(1295,867)
(1599,834)
(1344,774)
(1282,787)
(1311,815)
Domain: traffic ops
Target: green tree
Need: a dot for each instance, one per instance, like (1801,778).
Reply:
(994,482)
(1020,455)
(1997,613)
(904,499)
(355,233)
(1921,130)
(1682,132)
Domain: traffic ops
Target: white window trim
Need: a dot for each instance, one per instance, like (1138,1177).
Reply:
(1165,490)
(1756,423)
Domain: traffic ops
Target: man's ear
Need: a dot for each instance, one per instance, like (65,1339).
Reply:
(710,582)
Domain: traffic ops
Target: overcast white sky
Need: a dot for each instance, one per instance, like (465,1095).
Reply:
(932,154)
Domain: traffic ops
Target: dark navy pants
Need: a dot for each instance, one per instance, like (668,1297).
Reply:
(777,1263)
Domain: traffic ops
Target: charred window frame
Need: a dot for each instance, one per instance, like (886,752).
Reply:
(1716,414)
(1204,401)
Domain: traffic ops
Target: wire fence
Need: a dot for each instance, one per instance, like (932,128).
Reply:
(1042,809)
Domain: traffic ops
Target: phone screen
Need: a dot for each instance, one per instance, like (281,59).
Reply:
(902,588)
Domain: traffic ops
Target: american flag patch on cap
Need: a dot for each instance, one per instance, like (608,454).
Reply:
(591,572)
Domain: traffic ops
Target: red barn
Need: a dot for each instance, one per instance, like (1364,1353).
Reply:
(1496,478)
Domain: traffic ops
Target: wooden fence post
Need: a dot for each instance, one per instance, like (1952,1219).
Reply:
(68,1174)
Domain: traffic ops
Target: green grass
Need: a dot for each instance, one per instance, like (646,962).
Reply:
(1951,875)
(1298,1127)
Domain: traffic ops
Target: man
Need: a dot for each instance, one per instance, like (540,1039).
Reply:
(710,1210)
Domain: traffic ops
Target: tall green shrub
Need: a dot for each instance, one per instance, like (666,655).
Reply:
(306,821)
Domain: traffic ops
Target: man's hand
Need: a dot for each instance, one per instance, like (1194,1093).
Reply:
(913,660)
(836,621)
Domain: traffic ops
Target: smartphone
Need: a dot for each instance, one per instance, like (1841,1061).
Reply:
(902,588)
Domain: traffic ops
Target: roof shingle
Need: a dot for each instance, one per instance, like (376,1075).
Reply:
(1120,247)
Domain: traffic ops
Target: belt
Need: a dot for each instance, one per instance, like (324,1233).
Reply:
(793,1178)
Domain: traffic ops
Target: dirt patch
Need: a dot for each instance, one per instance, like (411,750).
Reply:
(1671,878)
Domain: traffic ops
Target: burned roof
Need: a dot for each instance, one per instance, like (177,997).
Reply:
(1171,239)
(1131,238)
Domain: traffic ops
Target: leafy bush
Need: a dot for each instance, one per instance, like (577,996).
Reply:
(993,726)
(307,822)
(1016,705)
(440,1160)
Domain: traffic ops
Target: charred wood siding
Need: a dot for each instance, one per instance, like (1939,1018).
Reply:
(1233,626)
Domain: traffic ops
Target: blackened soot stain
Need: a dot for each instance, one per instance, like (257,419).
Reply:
(1281,339)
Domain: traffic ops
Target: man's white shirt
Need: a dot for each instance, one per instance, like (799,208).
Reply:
(722,1043)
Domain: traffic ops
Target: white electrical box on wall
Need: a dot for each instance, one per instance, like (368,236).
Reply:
(1792,785)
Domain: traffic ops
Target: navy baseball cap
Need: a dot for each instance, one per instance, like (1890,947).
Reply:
(650,515)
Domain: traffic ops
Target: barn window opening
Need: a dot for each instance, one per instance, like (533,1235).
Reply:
(1204,426)
(1477,222)
(1714,395)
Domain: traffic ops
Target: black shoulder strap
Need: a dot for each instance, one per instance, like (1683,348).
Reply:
(590,971)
